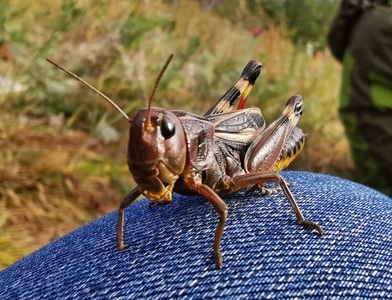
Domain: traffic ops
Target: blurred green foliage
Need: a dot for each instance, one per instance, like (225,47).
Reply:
(308,20)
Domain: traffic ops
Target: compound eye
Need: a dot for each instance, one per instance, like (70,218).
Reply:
(167,128)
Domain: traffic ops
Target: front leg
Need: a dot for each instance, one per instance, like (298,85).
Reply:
(193,180)
(128,200)
(271,176)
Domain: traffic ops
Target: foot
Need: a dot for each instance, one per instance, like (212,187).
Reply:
(218,260)
(312,225)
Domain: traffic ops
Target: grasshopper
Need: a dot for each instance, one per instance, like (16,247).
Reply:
(225,150)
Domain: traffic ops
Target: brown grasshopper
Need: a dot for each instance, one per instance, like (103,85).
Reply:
(214,155)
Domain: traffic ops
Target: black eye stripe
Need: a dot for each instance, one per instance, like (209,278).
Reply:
(298,106)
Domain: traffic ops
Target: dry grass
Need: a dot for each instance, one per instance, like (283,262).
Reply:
(53,182)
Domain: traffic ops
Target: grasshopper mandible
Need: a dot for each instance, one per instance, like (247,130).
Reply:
(217,154)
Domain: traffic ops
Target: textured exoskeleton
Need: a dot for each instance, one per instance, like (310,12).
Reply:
(225,150)
(214,155)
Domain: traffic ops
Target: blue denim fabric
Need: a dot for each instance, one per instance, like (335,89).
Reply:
(266,254)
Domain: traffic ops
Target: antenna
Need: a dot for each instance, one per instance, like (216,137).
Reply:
(147,123)
(93,89)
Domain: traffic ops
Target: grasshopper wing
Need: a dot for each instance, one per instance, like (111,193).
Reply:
(238,127)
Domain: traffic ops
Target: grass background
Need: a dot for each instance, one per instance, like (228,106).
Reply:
(63,149)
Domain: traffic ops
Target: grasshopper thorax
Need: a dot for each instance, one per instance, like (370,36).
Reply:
(156,152)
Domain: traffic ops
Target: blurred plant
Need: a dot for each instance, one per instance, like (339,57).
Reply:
(29,68)
(308,20)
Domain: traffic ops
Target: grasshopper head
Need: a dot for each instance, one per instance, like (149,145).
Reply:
(157,145)
(156,152)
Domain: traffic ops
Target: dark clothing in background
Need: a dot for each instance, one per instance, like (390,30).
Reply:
(361,38)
